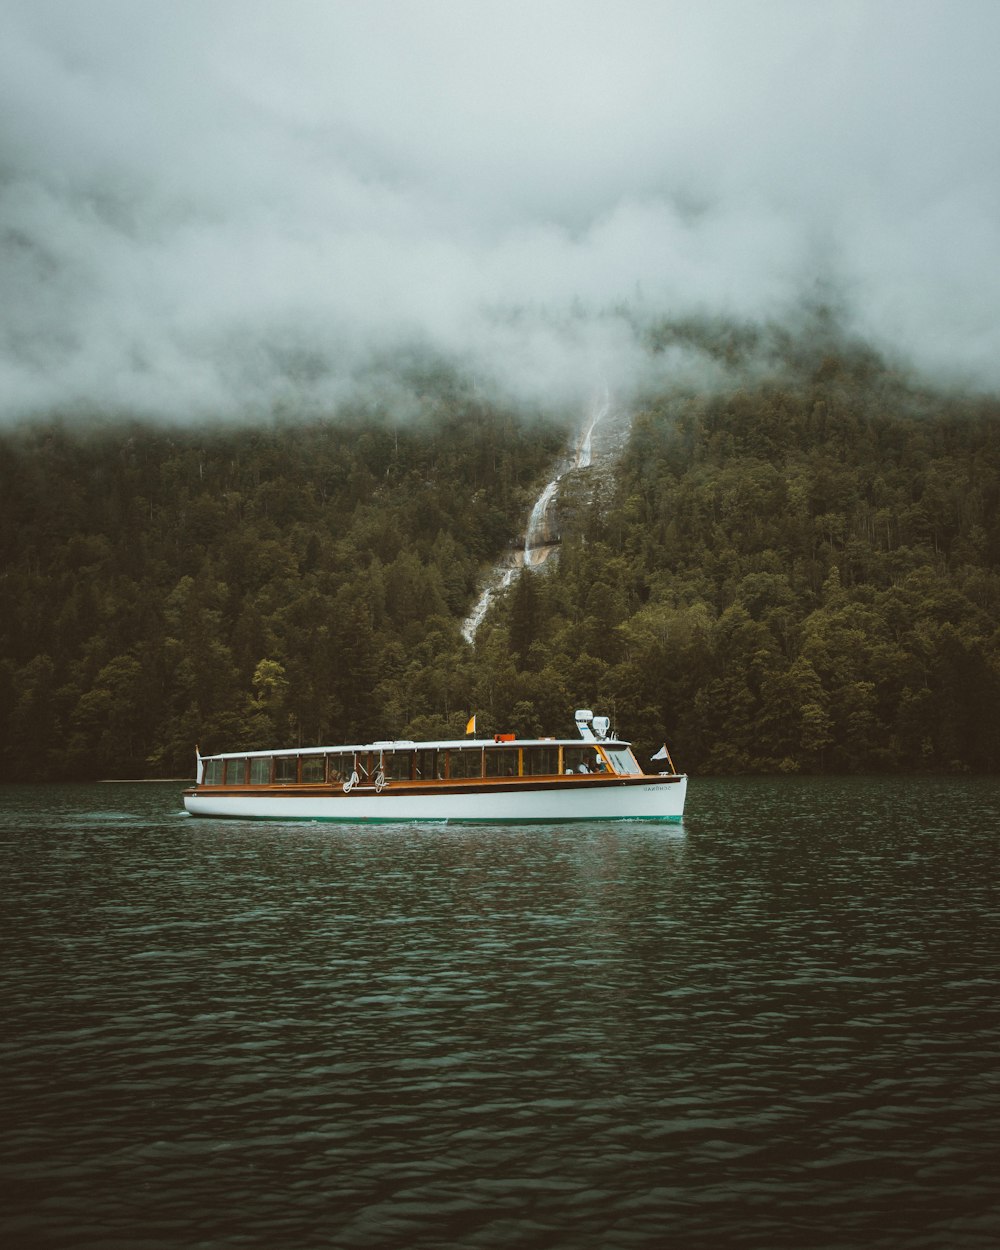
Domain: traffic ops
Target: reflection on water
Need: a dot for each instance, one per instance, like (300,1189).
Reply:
(773,1026)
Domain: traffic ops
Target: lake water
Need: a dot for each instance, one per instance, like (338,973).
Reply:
(777,1025)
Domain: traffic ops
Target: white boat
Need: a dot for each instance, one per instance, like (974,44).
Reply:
(498,780)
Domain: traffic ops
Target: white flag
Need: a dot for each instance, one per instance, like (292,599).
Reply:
(661,754)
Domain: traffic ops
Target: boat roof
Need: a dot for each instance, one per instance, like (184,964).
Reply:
(408,744)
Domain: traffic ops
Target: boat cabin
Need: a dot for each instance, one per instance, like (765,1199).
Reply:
(402,761)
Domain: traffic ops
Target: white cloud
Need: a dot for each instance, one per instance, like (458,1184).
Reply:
(213,206)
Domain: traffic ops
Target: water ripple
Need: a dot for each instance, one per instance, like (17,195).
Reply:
(773,1027)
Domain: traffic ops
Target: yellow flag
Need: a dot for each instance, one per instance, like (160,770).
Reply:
(471,726)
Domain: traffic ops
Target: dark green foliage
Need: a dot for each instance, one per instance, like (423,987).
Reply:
(803,574)
(242,587)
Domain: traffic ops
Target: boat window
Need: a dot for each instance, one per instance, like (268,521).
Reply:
(582,759)
(286,768)
(213,773)
(501,761)
(465,763)
(622,760)
(314,768)
(397,765)
(430,765)
(335,765)
(540,761)
(260,770)
(236,771)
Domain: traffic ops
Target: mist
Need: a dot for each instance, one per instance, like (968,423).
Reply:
(228,208)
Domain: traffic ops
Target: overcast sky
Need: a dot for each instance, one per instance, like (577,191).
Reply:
(216,206)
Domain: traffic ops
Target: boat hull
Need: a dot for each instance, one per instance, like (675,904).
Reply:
(656,798)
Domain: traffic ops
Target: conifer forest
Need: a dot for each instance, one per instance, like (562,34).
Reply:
(798,572)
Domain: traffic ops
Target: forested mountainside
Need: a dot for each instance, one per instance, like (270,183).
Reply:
(293,583)
(801,574)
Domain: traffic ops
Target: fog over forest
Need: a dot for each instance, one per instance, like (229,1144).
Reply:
(224,207)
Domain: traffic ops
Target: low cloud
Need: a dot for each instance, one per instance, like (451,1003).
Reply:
(221,207)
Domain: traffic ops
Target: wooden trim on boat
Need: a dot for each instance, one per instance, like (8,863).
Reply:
(575,781)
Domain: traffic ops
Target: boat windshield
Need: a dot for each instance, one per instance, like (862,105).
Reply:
(622,760)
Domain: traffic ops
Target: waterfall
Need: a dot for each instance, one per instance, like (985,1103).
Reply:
(475,617)
(584,450)
(539,539)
